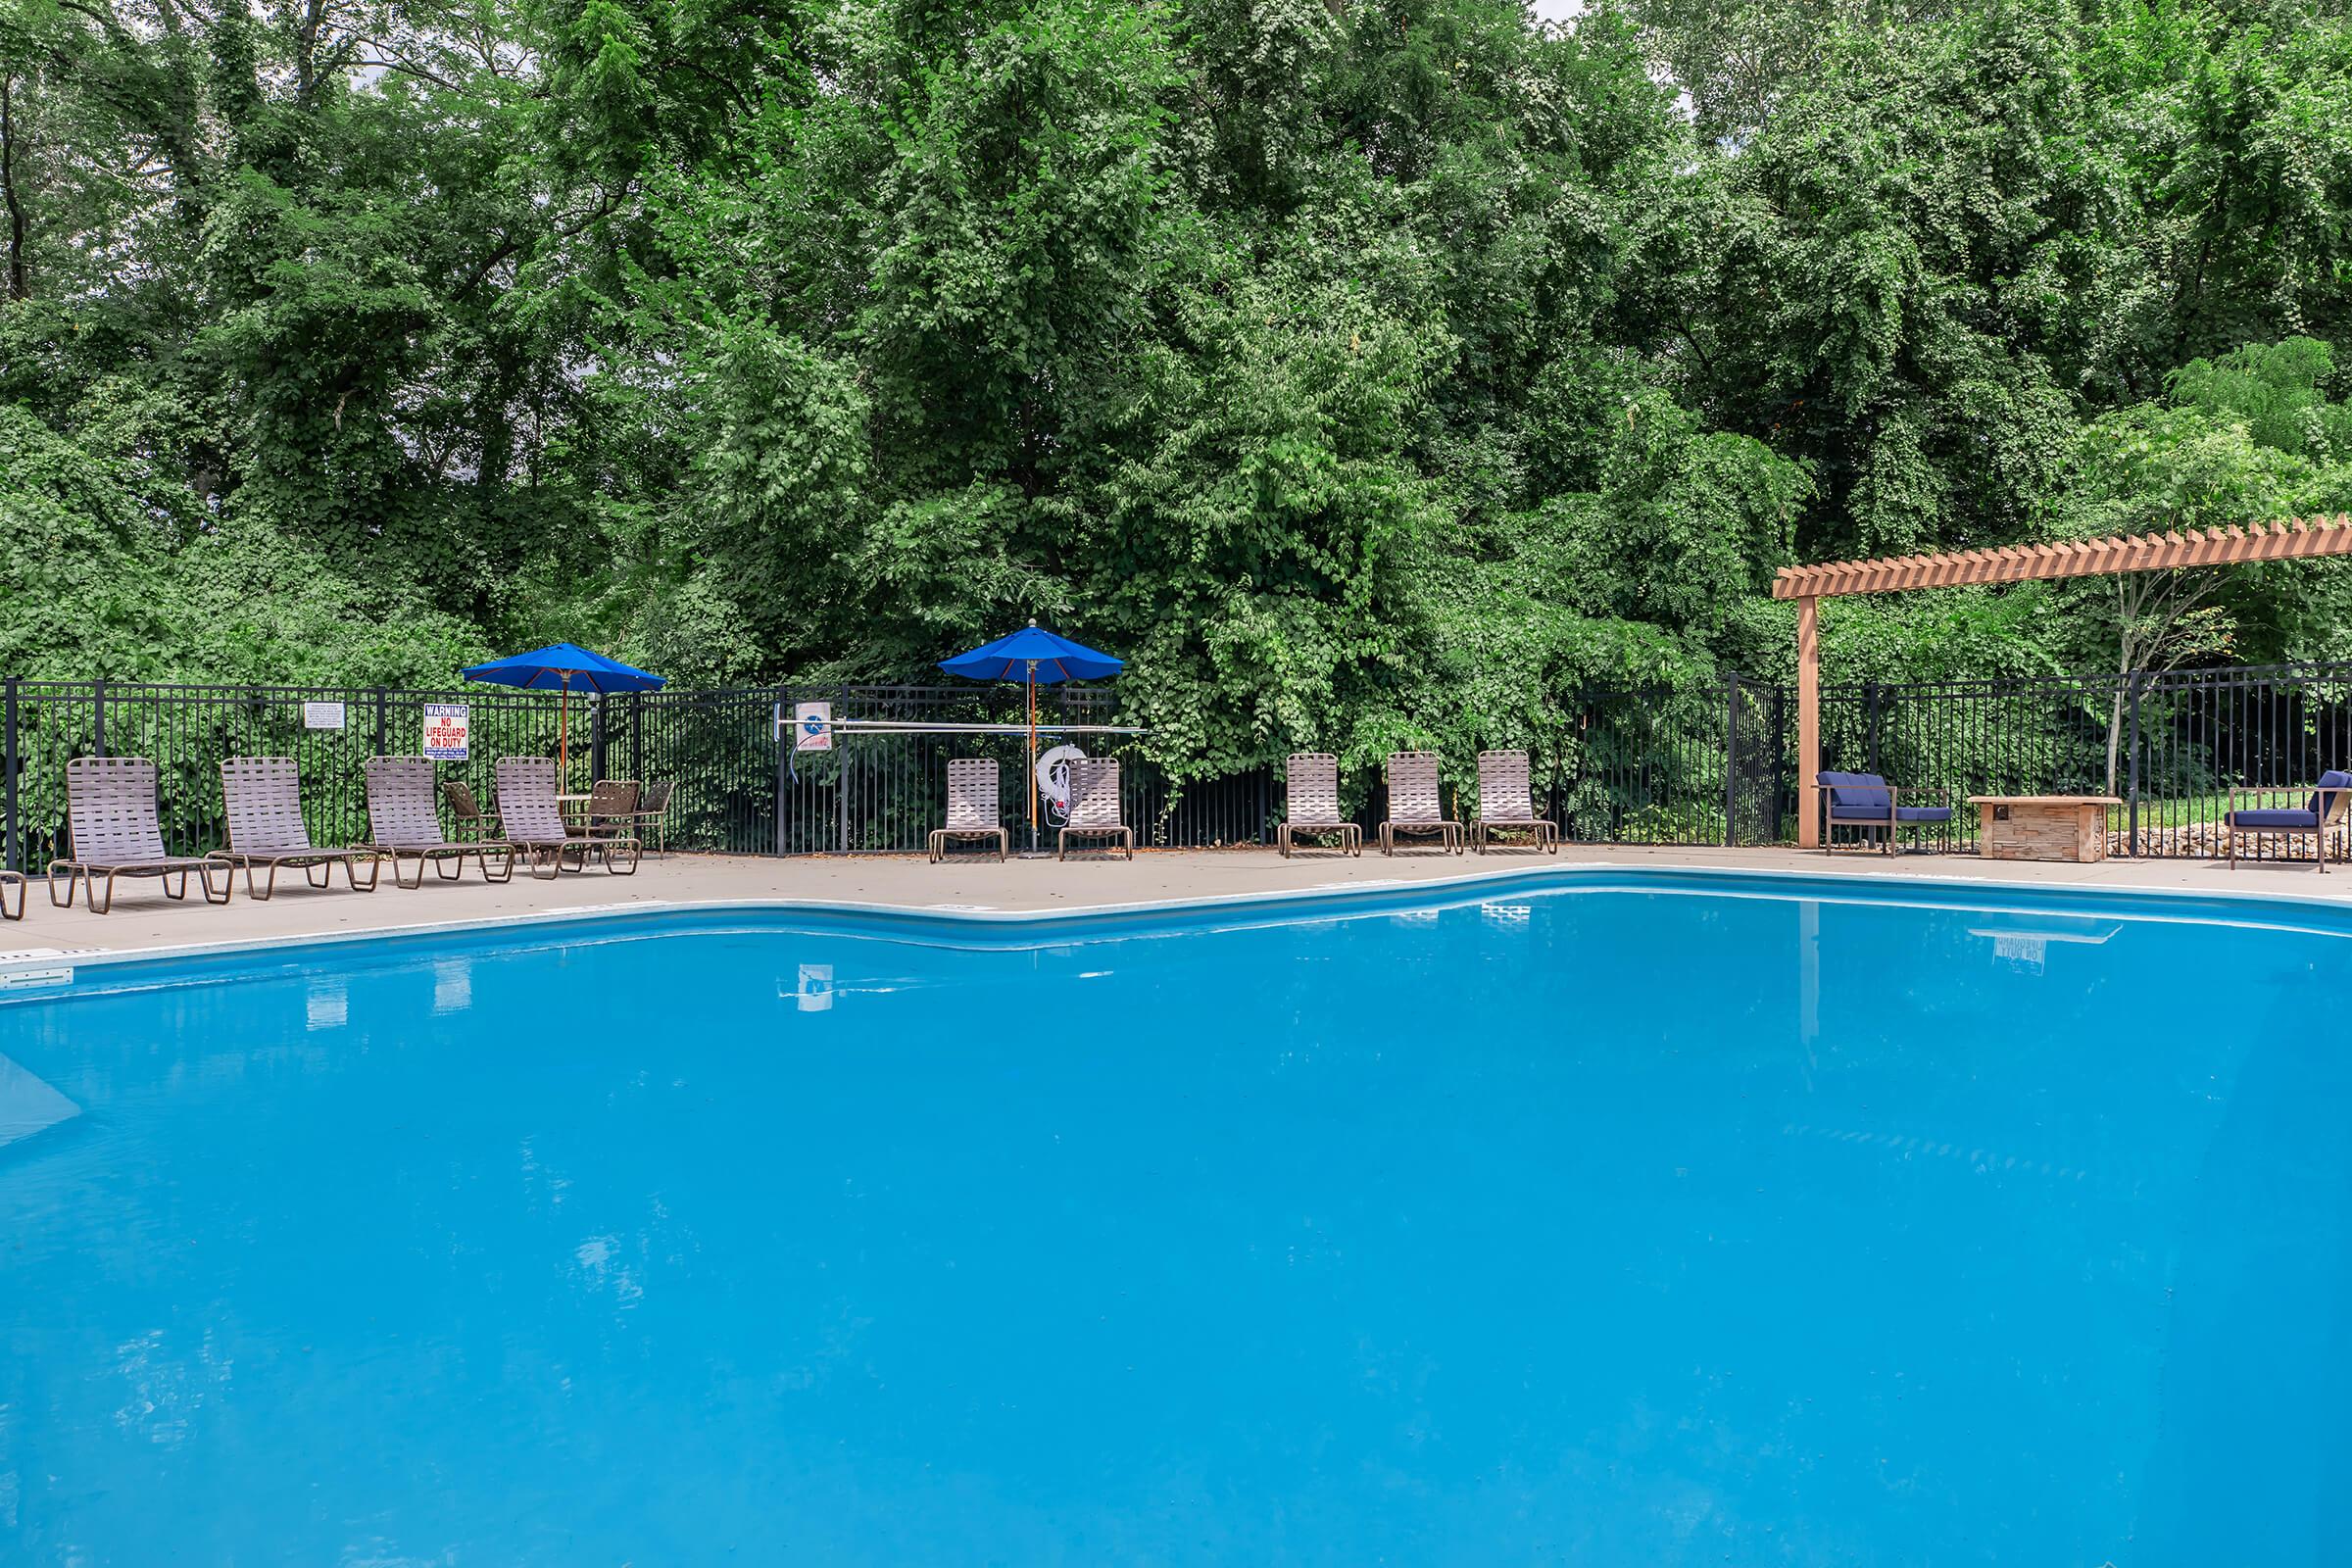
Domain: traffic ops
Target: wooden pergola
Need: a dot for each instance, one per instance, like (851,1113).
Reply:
(2296,539)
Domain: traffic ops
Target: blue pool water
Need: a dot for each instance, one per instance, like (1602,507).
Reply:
(1645,1225)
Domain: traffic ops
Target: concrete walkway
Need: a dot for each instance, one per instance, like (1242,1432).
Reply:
(144,920)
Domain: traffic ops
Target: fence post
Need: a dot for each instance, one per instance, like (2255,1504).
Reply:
(1730,761)
(637,736)
(841,770)
(596,736)
(2131,788)
(382,721)
(98,702)
(9,844)
(1874,727)
(785,739)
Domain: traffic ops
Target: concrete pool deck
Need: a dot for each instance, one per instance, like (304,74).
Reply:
(144,920)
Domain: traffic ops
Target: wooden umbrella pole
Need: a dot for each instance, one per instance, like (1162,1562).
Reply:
(564,739)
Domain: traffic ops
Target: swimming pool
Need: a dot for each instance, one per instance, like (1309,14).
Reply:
(1603,1219)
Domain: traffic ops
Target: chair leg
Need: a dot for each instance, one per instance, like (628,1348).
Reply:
(73,875)
(90,897)
(23,891)
(228,881)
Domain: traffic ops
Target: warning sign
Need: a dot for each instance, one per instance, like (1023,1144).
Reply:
(445,731)
(812,727)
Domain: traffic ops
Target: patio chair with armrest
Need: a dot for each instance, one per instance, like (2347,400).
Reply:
(473,822)
(1868,803)
(2314,818)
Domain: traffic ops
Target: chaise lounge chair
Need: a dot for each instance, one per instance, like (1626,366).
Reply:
(1414,805)
(402,822)
(1867,802)
(1312,804)
(263,800)
(534,823)
(1507,800)
(1095,805)
(975,807)
(2314,818)
(114,831)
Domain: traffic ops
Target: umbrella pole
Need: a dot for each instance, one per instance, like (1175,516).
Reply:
(564,739)
(1032,684)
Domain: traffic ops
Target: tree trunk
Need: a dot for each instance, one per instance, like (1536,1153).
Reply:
(19,276)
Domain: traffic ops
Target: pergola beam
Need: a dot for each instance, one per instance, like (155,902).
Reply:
(2296,539)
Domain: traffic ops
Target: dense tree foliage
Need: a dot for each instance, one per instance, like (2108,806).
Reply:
(1367,370)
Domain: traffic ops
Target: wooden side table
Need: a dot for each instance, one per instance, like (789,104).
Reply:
(2042,827)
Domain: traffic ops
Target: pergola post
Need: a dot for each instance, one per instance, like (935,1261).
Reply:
(1808,721)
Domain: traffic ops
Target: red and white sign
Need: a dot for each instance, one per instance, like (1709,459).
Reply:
(445,731)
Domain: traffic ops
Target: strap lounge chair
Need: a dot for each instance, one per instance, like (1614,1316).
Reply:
(975,807)
(1414,804)
(534,824)
(1507,800)
(1312,804)
(115,831)
(1095,805)
(473,822)
(2313,819)
(1868,803)
(403,823)
(264,798)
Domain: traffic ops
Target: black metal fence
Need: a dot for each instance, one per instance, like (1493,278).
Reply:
(1709,765)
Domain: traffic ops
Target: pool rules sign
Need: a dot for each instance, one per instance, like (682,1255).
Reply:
(445,731)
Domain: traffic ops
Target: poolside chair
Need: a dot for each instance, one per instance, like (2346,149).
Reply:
(2321,813)
(534,824)
(1507,799)
(1868,803)
(975,807)
(402,822)
(115,831)
(653,811)
(473,822)
(1095,805)
(1312,804)
(17,880)
(263,800)
(611,811)
(1414,804)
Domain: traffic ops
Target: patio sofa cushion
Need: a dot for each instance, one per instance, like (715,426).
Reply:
(2280,819)
(1902,813)
(1867,790)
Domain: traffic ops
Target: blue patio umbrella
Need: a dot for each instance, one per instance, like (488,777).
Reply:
(1033,657)
(564,668)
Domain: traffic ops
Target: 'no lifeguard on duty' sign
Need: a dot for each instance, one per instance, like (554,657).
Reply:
(445,731)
